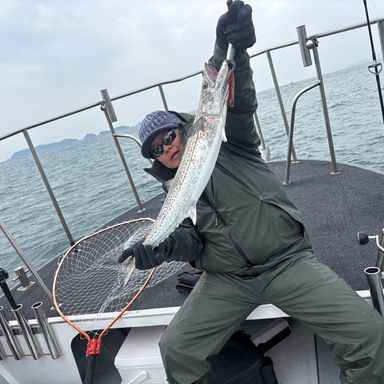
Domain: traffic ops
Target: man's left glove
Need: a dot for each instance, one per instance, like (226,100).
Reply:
(145,256)
(236,27)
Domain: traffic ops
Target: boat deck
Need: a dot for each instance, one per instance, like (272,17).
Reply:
(334,208)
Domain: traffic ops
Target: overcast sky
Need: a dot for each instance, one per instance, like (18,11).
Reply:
(57,55)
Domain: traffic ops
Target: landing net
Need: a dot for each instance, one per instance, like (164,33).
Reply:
(90,281)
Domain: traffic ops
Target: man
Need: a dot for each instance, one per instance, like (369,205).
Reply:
(250,240)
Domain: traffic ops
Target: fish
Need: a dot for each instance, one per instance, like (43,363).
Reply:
(201,151)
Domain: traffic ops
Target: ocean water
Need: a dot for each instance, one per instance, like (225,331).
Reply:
(91,187)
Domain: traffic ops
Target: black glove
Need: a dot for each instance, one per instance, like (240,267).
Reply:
(236,27)
(145,256)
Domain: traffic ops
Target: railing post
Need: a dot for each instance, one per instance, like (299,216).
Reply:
(163,97)
(264,150)
(48,187)
(110,115)
(313,44)
(280,99)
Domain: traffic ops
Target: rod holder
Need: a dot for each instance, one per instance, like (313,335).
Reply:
(9,336)
(305,53)
(108,105)
(46,330)
(380,27)
(26,331)
(376,288)
(22,277)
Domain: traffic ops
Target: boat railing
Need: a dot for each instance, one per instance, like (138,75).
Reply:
(291,129)
(307,44)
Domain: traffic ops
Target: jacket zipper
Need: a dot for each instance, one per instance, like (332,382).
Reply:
(229,234)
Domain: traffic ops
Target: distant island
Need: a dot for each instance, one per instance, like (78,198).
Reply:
(52,146)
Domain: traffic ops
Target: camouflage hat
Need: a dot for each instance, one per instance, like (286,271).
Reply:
(154,123)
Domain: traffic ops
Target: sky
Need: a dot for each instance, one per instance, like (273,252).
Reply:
(56,56)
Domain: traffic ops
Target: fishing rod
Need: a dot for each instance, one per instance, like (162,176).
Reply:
(377,67)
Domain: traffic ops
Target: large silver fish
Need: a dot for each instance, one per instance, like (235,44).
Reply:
(200,154)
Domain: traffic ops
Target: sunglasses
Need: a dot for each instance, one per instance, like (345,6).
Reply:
(167,139)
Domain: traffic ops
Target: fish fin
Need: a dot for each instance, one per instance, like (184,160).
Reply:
(224,135)
(192,214)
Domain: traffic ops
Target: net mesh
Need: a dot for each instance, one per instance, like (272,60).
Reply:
(90,281)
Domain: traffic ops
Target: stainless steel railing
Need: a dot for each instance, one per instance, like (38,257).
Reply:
(106,106)
(291,130)
(25,259)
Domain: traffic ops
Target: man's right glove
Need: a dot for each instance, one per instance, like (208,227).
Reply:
(145,256)
(236,27)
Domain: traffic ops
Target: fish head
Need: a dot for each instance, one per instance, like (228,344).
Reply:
(216,89)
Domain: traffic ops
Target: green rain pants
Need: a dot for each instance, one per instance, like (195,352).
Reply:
(304,289)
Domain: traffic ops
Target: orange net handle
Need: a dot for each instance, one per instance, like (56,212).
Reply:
(94,345)
(125,309)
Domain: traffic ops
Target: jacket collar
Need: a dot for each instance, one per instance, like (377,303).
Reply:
(161,172)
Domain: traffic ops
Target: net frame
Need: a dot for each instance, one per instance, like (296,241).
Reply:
(118,234)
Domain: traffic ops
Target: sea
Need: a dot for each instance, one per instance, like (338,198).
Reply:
(91,187)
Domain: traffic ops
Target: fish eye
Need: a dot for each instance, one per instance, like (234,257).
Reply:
(205,85)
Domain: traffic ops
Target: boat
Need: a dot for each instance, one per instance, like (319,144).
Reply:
(337,200)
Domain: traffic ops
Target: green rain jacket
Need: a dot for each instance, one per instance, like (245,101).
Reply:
(246,223)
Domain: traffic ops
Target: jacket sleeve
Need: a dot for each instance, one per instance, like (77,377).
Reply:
(184,244)
(240,127)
